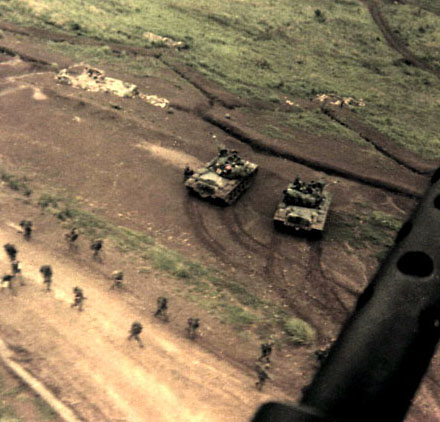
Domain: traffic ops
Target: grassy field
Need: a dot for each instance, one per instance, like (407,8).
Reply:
(272,50)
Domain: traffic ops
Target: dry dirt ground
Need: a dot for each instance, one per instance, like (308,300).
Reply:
(124,158)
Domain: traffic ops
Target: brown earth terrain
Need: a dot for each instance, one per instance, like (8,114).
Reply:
(123,158)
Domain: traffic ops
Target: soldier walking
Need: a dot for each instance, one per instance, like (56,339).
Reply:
(71,238)
(266,350)
(262,374)
(11,251)
(78,298)
(135,330)
(26,225)
(46,271)
(162,307)
(6,282)
(191,329)
(96,247)
(117,277)
(16,271)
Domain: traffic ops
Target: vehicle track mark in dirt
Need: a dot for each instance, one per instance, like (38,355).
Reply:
(240,236)
(381,142)
(320,285)
(395,42)
(202,233)
(250,241)
(288,290)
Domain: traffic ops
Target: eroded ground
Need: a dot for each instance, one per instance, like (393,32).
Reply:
(123,158)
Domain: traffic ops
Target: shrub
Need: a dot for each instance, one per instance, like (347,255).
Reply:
(299,331)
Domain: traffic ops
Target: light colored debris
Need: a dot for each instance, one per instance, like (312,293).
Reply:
(155,100)
(91,79)
(291,103)
(15,61)
(94,80)
(337,101)
(163,41)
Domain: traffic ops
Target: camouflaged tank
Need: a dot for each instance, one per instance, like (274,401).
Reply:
(303,208)
(223,179)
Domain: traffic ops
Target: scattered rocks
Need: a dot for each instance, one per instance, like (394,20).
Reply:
(92,79)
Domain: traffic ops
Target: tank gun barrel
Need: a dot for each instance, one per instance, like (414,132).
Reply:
(384,349)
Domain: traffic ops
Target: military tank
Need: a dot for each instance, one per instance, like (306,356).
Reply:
(223,179)
(303,208)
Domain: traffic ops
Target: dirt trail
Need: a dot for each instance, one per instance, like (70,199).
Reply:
(395,42)
(86,355)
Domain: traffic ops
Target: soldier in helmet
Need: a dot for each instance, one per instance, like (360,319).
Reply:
(11,251)
(135,330)
(187,173)
(117,277)
(71,238)
(193,325)
(46,271)
(78,298)
(322,353)
(96,247)
(16,271)
(26,225)
(6,281)
(162,307)
(266,350)
(262,374)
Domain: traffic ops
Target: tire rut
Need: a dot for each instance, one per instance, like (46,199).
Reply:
(206,239)
(321,285)
(394,42)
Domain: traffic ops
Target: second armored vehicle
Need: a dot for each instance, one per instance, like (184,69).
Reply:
(303,208)
(223,179)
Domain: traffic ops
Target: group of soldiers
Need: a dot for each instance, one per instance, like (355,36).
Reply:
(300,193)
(162,313)
(229,164)
(45,270)
(262,365)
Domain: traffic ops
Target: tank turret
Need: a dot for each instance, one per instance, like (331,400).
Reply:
(223,179)
(303,207)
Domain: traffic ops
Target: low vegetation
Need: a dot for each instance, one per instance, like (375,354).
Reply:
(219,294)
(299,332)
(275,50)
(375,230)
(16,183)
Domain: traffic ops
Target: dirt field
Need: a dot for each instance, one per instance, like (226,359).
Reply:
(124,158)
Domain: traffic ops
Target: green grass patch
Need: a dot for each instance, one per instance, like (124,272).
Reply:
(299,331)
(7,413)
(140,66)
(46,413)
(366,229)
(16,183)
(13,391)
(418,28)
